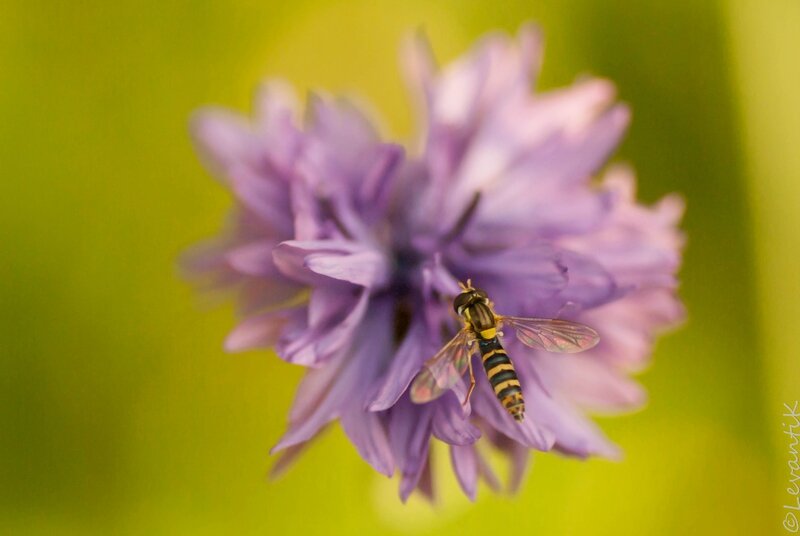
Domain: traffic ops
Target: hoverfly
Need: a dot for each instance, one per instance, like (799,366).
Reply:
(441,372)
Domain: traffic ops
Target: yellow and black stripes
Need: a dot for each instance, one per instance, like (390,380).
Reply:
(502,376)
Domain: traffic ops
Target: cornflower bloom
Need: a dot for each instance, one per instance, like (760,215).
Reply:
(345,251)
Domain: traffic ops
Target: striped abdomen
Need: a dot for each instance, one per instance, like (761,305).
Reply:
(502,376)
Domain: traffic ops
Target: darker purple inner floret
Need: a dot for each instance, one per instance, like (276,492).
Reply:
(403,288)
(407,263)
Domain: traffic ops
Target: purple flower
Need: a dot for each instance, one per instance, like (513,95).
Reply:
(346,250)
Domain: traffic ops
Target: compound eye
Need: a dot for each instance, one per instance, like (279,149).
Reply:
(481,294)
(461,301)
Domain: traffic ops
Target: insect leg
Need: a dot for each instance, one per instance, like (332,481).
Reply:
(471,383)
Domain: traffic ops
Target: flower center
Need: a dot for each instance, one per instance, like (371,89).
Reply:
(406,272)
(405,279)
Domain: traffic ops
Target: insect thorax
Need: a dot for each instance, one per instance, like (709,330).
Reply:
(482,320)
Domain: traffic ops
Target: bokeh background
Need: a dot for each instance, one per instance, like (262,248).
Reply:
(119,412)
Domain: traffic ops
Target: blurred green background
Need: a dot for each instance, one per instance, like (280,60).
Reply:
(119,412)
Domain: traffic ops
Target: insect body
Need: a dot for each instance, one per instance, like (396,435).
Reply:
(502,376)
(481,325)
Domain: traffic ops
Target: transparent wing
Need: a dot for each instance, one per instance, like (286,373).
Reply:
(560,336)
(441,372)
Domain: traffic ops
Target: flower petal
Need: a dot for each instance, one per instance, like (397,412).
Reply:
(465,466)
(520,457)
(590,383)
(257,294)
(419,67)
(406,363)
(518,280)
(437,283)
(353,262)
(329,391)
(366,268)
(628,326)
(266,196)
(528,432)
(223,140)
(640,245)
(261,331)
(327,333)
(276,110)
(340,142)
(367,433)
(450,424)
(253,259)
(288,457)
(333,384)
(589,284)
(436,279)
(409,435)
(574,434)
(518,210)
(425,481)
(381,173)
